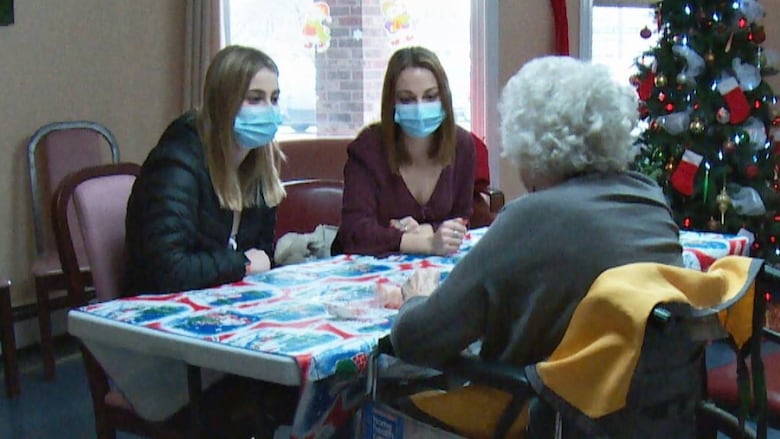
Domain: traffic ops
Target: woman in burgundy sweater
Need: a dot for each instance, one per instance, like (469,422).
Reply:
(409,179)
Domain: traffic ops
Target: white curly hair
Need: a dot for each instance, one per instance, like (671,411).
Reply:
(561,116)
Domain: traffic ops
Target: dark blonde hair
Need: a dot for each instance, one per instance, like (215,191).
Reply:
(224,90)
(443,150)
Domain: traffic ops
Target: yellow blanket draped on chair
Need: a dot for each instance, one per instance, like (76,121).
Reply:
(593,365)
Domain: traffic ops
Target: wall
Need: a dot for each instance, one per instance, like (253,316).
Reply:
(116,62)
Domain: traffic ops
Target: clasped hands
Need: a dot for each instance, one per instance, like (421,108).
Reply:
(446,240)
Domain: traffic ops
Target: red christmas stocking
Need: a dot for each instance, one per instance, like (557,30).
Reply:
(645,87)
(735,100)
(682,177)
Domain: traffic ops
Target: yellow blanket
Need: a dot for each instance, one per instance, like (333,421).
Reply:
(593,365)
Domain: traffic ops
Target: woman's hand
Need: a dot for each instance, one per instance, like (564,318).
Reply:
(421,283)
(405,224)
(258,261)
(449,236)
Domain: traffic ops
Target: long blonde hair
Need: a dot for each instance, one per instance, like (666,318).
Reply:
(444,140)
(257,179)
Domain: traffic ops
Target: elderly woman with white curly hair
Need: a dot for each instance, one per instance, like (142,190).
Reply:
(569,129)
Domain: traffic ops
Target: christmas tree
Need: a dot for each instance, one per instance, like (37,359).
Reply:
(709,138)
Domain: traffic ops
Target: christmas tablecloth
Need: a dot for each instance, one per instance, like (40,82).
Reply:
(311,324)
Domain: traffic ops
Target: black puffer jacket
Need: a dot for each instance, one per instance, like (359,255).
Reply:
(176,232)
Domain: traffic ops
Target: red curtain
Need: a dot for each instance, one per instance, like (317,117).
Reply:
(561,27)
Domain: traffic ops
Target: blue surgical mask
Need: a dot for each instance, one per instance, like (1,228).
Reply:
(256,125)
(419,120)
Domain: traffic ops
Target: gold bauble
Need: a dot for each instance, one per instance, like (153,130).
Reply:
(696,126)
(669,167)
(660,81)
(709,57)
(724,202)
(713,224)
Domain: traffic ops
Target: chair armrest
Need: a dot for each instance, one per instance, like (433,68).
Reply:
(494,197)
(712,417)
(499,376)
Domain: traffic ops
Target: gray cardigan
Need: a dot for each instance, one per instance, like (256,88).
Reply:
(517,289)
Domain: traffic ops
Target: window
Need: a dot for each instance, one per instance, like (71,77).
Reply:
(332,54)
(610,33)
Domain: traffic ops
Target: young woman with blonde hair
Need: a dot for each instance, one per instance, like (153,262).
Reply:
(202,212)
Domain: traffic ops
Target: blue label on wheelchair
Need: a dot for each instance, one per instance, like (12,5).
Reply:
(381,424)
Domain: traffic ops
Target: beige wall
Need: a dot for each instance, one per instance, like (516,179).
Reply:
(117,62)
(525,32)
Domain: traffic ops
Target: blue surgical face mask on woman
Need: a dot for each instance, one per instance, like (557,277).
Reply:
(419,119)
(256,125)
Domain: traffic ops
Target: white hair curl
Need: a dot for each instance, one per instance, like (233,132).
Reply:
(561,116)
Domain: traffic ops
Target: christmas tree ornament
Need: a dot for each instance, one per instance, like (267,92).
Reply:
(709,57)
(746,200)
(674,123)
(646,84)
(747,74)
(735,98)
(759,34)
(694,63)
(660,80)
(683,176)
(729,146)
(682,78)
(713,224)
(722,115)
(724,202)
(669,167)
(756,133)
(645,32)
(696,126)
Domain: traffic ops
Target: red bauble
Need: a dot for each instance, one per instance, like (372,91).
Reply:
(759,35)
(751,171)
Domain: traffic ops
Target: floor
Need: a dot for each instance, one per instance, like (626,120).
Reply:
(62,408)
